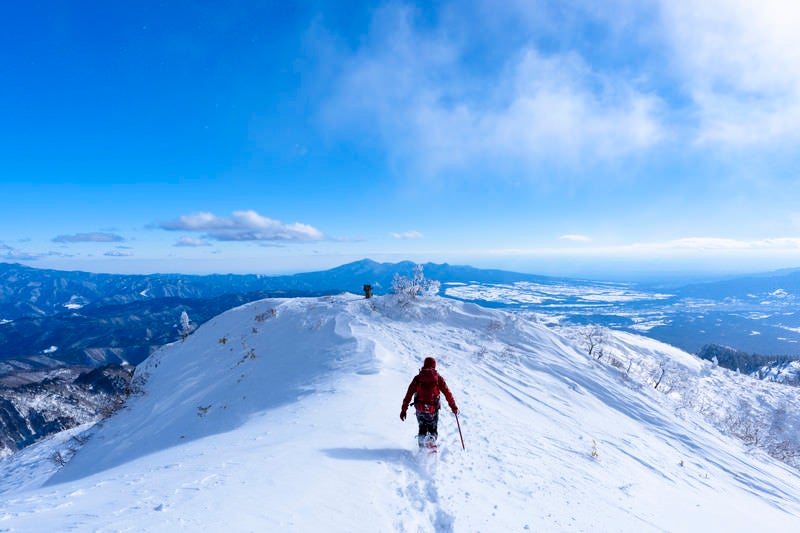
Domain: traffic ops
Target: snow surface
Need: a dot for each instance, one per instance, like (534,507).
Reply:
(525,292)
(283,415)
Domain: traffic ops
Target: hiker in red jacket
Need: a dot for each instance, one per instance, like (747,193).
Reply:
(425,388)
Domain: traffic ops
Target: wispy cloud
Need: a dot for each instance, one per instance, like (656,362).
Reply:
(243,226)
(721,73)
(688,245)
(14,254)
(117,253)
(720,244)
(89,237)
(191,242)
(413,234)
(738,63)
(575,238)
(410,85)
(19,255)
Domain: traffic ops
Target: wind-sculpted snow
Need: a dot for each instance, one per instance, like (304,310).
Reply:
(282,415)
(214,381)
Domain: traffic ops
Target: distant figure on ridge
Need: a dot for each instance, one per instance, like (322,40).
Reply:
(425,388)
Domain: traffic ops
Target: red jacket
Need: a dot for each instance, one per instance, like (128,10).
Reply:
(412,388)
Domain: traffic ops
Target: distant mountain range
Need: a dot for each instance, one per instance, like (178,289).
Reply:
(29,292)
(50,318)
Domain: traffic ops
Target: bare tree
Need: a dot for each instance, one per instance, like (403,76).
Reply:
(58,459)
(663,367)
(594,339)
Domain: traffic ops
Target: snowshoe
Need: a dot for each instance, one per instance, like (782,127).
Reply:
(427,442)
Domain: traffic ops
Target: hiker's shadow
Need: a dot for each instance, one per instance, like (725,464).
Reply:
(387,455)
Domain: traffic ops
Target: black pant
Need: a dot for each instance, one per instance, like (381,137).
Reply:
(428,423)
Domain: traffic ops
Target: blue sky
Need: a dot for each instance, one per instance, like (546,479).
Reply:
(268,137)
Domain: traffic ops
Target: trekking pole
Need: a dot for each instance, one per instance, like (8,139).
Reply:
(459,432)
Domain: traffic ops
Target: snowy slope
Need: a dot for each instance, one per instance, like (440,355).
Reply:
(282,415)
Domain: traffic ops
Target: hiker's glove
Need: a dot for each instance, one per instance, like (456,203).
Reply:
(403,415)
(455,410)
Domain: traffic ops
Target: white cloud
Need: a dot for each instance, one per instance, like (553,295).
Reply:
(718,73)
(89,237)
(117,253)
(409,86)
(13,254)
(719,244)
(191,242)
(243,226)
(740,64)
(408,235)
(575,238)
(19,255)
(560,105)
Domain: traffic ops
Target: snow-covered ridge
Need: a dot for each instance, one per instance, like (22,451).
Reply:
(282,415)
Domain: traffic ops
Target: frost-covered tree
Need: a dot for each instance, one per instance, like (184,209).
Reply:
(417,285)
(186,325)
